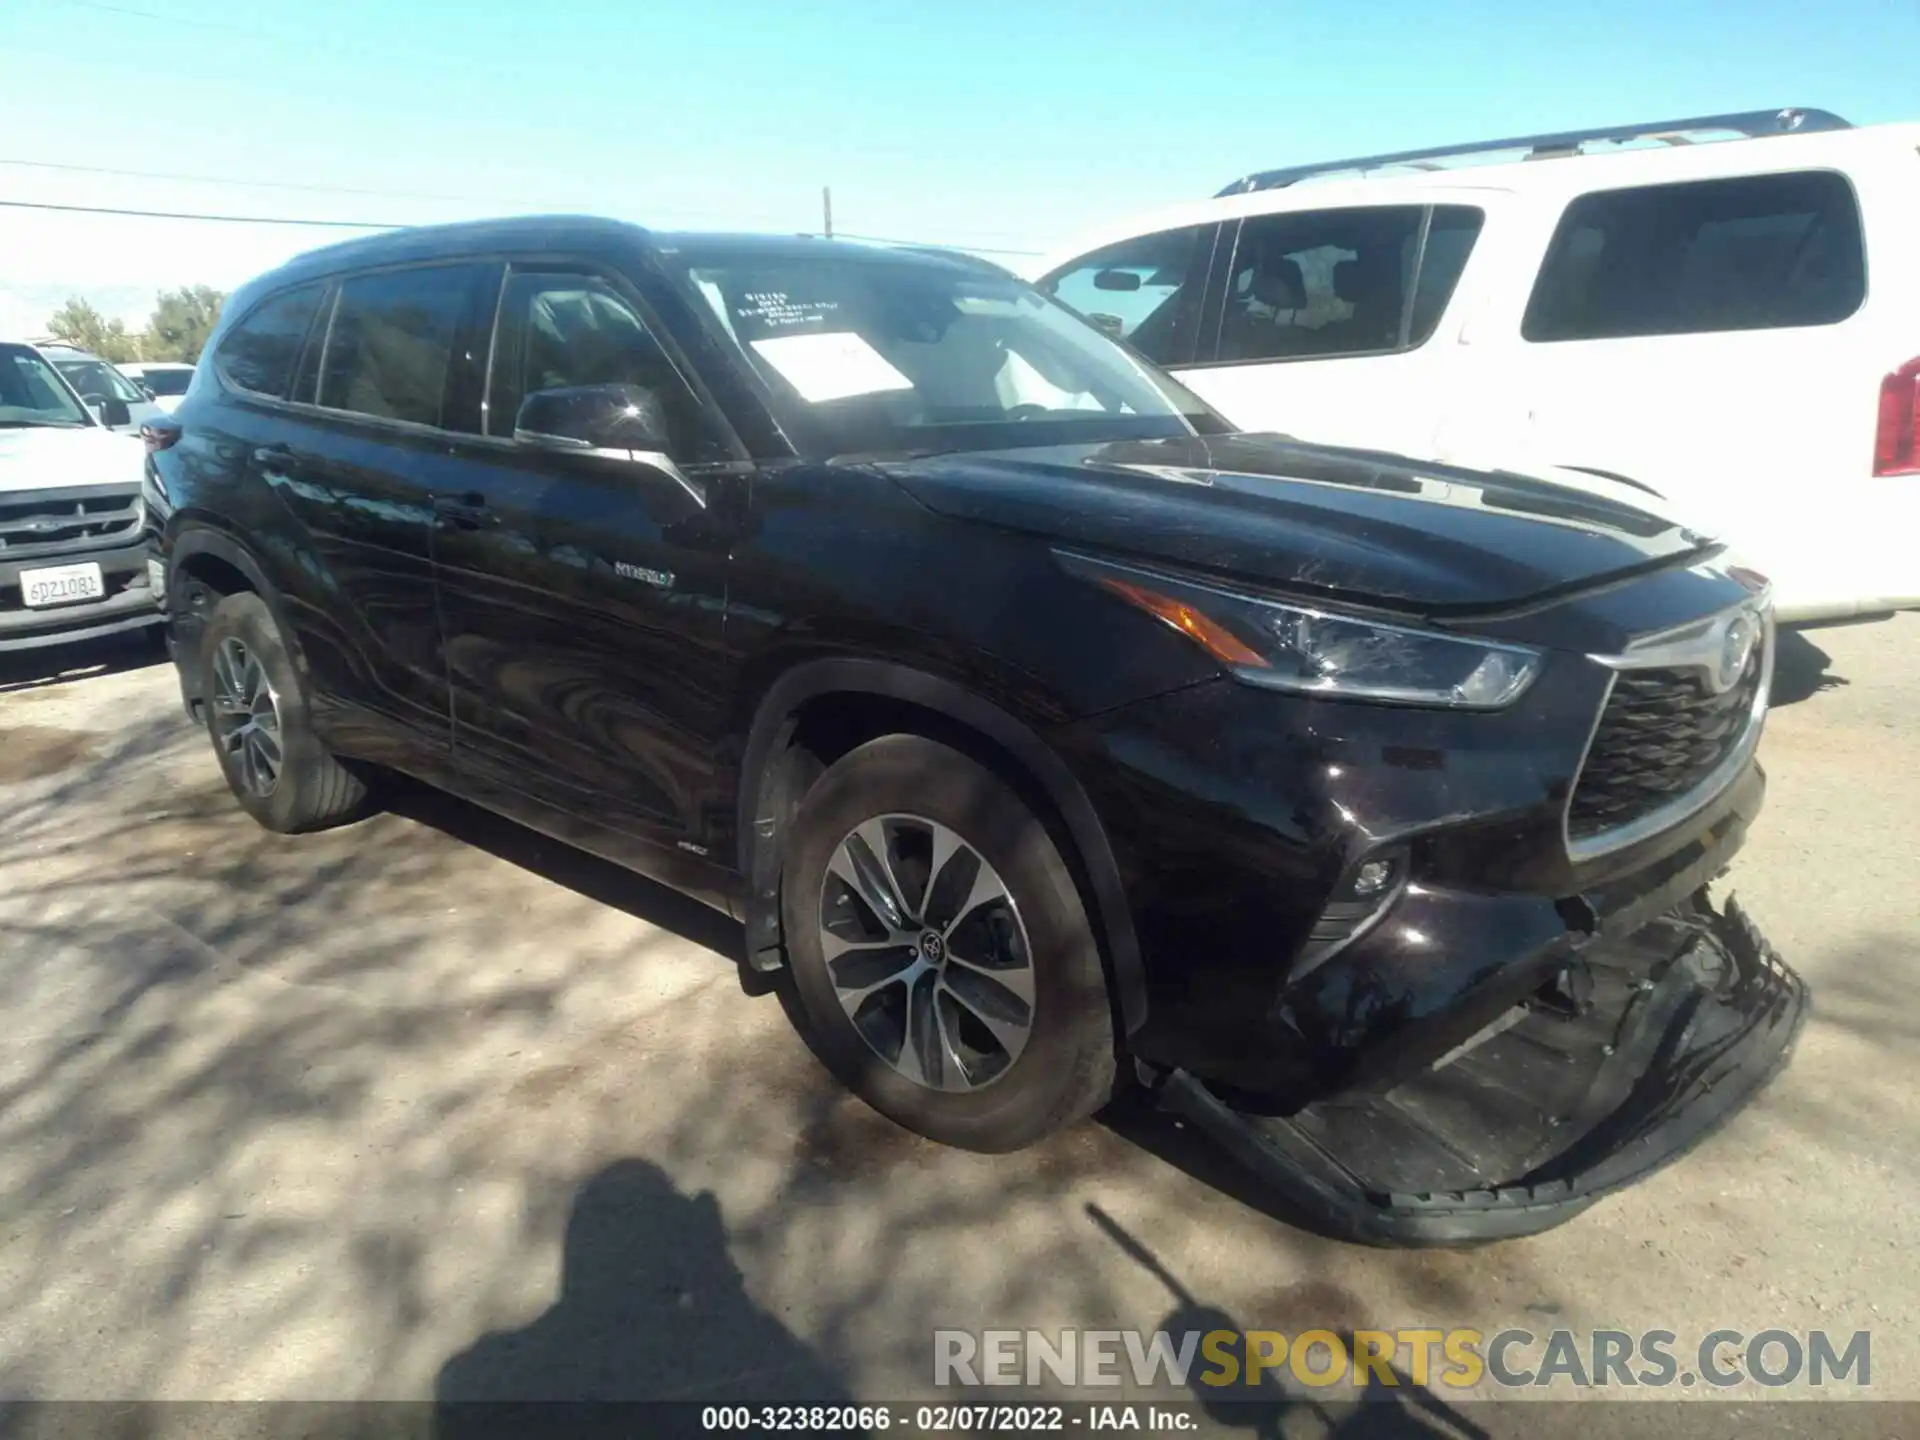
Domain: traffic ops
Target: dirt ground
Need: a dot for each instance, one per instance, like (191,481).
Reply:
(431,1106)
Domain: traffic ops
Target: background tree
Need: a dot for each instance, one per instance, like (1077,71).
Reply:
(78,323)
(181,323)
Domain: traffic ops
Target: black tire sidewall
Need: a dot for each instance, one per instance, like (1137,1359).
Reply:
(304,759)
(1065,1070)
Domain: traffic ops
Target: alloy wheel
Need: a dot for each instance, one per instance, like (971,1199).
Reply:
(246,717)
(927,952)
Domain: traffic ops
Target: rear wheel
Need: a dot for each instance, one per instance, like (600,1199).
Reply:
(258,720)
(941,953)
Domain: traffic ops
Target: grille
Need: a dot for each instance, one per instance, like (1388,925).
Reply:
(1661,735)
(35,525)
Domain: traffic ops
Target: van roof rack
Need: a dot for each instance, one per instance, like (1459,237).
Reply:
(1751,125)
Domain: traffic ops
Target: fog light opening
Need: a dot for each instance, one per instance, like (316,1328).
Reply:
(1375,877)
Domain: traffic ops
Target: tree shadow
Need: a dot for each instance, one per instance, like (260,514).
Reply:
(1262,1403)
(586,875)
(652,1307)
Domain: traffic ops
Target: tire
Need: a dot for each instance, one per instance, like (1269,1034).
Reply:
(310,788)
(981,1087)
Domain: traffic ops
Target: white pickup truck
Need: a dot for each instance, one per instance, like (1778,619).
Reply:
(72,565)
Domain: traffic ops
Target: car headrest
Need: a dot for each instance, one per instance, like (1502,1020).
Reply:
(1281,284)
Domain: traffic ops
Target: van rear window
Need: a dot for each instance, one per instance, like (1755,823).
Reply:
(1756,252)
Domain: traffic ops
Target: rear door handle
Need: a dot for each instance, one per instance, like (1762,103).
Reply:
(463,512)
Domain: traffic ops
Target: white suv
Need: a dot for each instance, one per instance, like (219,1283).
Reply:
(1733,327)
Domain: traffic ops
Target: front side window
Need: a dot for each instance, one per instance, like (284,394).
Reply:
(97,380)
(562,330)
(1753,252)
(257,354)
(31,393)
(878,353)
(1319,283)
(1144,291)
(391,342)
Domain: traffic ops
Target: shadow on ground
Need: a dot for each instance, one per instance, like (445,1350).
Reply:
(1800,669)
(306,1116)
(28,670)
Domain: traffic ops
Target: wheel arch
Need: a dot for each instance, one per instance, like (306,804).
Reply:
(774,774)
(203,551)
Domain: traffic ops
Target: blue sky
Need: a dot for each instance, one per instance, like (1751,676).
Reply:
(984,124)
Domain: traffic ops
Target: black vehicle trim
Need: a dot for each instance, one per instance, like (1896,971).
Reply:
(815,678)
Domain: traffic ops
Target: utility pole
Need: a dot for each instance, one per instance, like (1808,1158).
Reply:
(826,209)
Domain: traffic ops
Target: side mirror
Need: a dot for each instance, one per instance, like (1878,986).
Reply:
(610,422)
(592,417)
(109,410)
(1116,280)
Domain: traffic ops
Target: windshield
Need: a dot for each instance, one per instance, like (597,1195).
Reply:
(97,380)
(31,394)
(166,382)
(874,355)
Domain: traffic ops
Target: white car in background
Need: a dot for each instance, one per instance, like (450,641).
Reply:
(73,560)
(165,381)
(1692,319)
(116,401)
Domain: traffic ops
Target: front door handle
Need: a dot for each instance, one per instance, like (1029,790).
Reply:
(273,456)
(463,512)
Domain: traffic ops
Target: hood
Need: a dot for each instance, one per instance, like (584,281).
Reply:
(41,457)
(1310,519)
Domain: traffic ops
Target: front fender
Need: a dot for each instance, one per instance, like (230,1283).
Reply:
(762,806)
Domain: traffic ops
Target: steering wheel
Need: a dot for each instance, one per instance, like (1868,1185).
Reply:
(1028,412)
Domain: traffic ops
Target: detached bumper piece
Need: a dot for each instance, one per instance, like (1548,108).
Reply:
(1636,1053)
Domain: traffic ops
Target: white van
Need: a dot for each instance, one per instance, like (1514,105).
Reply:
(1732,326)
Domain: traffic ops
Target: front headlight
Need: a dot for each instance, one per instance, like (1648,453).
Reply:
(1317,652)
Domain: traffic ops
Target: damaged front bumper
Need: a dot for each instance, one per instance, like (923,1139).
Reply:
(1576,1092)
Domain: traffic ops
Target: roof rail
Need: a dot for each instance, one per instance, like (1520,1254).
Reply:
(1752,125)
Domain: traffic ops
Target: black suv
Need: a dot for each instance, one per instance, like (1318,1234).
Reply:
(1042,730)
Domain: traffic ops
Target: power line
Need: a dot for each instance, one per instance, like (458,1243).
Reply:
(182,177)
(403,225)
(185,215)
(259,184)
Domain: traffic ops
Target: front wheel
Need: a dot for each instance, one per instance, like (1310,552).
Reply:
(257,718)
(941,954)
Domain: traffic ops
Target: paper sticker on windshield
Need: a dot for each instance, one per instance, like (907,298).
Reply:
(830,366)
(777,310)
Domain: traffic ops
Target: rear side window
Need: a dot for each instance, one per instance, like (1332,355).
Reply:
(1756,252)
(1145,291)
(391,342)
(167,383)
(1343,282)
(258,353)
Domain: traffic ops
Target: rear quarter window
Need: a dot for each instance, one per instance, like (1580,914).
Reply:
(257,355)
(1753,252)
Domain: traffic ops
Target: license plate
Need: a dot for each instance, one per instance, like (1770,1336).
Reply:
(62,584)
